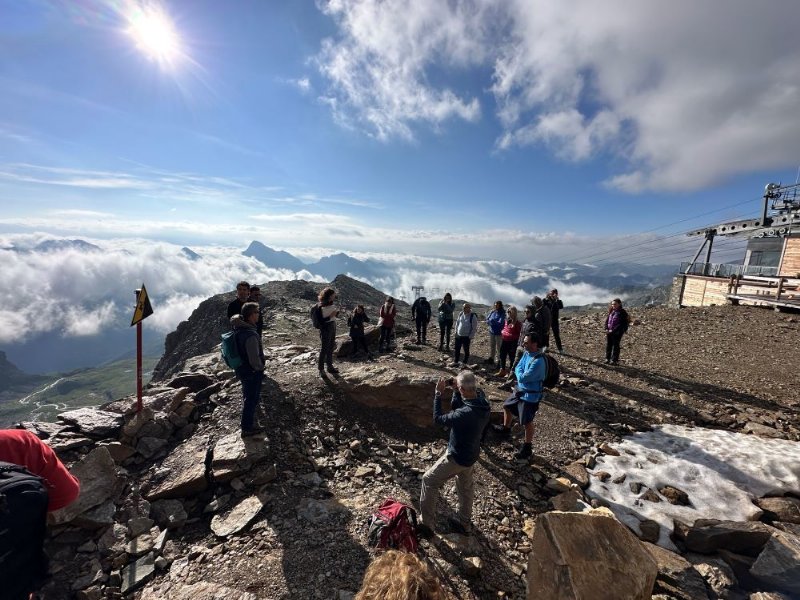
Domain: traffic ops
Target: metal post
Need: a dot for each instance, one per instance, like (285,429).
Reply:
(139,367)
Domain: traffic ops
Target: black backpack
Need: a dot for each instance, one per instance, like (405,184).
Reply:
(552,371)
(316,316)
(23,517)
(626,320)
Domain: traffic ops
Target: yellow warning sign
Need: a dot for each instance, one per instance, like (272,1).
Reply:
(143,308)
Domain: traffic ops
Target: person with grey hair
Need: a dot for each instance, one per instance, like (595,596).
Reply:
(468,419)
(251,371)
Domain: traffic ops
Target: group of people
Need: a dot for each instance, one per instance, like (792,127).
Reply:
(520,344)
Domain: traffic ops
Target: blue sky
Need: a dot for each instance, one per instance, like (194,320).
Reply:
(510,130)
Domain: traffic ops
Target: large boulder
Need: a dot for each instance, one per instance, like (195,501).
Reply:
(99,481)
(376,386)
(778,565)
(785,509)
(591,555)
(183,471)
(238,518)
(708,536)
(93,422)
(677,577)
(234,456)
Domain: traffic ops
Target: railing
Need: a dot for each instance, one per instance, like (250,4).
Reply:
(727,270)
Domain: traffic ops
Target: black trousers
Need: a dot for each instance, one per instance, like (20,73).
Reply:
(359,340)
(507,350)
(422,327)
(386,336)
(557,333)
(462,340)
(612,346)
(327,336)
(445,328)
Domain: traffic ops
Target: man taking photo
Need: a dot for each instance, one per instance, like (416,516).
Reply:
(467,419)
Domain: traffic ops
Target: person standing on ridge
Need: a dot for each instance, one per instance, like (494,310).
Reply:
(467,420)
(554,303)
(510,339)
(446,308)
(327,331)
(466,326)
(543,320)
(386,322)
(242,294)
(524,403)
(617,323)
(421,313)
(251,371)
(356,323)
(496,319)
(255,296)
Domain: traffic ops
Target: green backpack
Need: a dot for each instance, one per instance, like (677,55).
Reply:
(230,350)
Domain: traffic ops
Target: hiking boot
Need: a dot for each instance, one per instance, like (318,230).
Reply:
(524,453)
(322,372)
(252,431)
(424,531)
(440,348)
(456,526)
(507,386)
(502,430)
(333,370)
(455,363)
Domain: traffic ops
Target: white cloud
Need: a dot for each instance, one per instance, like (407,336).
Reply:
(686,95)
(74,293)
(378,66)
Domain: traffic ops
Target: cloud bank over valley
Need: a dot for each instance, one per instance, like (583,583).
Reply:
(61,289)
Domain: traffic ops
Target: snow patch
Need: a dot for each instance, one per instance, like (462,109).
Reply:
(721,471)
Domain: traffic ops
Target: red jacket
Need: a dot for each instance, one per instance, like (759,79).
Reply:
(511,331)
(24,448)
(388,315)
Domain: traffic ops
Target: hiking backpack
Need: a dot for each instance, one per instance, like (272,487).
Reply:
(230,350)
(393,526)
(552,371)
(23,516)
(316,316)
(626,319)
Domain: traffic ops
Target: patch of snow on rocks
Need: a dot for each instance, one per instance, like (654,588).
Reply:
(722,473)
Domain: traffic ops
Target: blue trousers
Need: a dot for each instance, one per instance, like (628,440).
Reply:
(251,389)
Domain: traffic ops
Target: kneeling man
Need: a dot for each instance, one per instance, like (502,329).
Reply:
(467,419)
(530,372)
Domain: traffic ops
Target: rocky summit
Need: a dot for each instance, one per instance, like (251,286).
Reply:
(175,504)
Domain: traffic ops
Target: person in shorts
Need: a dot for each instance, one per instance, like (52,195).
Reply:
(524,402)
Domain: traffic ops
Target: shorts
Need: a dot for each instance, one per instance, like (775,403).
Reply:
(525,410)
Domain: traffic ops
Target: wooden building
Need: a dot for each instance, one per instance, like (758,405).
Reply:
(769,274)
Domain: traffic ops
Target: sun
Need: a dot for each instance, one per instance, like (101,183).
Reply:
(155,34)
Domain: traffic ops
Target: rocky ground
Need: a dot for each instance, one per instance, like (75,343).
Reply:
(187,510)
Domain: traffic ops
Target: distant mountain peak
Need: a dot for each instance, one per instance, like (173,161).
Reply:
(277,259)
(190,254)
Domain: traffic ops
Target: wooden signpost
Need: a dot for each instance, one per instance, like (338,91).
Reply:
(141,312)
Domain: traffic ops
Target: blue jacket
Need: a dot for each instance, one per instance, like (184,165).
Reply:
(467,419)
(496,319)
(530,373)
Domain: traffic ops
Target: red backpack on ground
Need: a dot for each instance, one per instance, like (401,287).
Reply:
(393,526)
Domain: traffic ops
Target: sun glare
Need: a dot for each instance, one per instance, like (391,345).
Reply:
(155,35)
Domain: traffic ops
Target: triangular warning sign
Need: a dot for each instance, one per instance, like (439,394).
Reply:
(143,308)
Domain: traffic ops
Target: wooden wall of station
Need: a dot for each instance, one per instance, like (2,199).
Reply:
(790,263)
(711,291)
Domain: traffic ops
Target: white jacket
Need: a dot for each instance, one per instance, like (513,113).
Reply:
(466,325)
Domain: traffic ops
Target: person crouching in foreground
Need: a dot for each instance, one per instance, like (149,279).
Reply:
(251,371)
(399,576)
(467,419)
(524,403)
